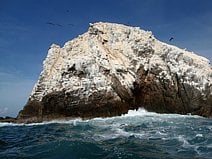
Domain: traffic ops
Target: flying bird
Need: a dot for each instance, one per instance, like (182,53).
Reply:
(50,23)
(54,24)
(171,39)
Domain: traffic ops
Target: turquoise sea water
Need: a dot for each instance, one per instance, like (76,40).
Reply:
(138,134)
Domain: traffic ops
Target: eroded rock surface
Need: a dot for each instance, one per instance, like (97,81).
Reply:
(113,68)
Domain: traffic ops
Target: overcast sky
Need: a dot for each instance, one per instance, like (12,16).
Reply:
(26,33)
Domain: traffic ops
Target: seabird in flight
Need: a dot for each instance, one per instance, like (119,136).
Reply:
(171,39)
(54,24)
(50,23)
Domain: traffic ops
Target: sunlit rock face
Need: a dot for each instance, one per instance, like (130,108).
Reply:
(113,68)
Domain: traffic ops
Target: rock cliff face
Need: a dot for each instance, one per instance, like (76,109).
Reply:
(113,68)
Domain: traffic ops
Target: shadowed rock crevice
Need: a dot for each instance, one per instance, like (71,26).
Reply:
(165,96)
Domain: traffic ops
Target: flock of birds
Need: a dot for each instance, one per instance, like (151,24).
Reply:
(72,25)
(58,24)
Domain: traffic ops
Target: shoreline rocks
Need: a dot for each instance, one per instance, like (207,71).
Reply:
(7,119)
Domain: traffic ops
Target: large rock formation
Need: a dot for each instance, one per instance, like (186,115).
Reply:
(113,68)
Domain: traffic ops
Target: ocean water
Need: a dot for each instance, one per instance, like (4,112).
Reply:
(136,135)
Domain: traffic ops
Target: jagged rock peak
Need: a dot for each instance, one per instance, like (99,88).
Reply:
(113,64)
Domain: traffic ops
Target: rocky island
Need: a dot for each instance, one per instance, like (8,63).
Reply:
(113,68)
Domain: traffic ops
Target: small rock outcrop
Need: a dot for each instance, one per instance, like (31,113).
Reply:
(7,119)
(113,68)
